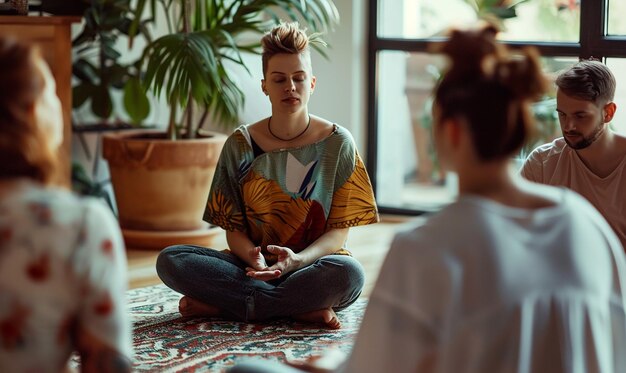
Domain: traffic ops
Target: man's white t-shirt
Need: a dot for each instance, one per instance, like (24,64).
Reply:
(483,287)
(558,164)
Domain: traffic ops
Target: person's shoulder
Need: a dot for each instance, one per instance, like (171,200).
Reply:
(51,196)
(96,206)
(252,128)
(580,207)
(429,242)
(241,130)
(582,211)
(556,147)
(545,155)
(63,206)
(620,144)
(239,135)
(342,132)
(341,137)
(432,228)
(90,208)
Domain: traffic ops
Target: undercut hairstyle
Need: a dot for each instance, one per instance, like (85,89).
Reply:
(286,38)
(588,80)
(24,149)
(491,88)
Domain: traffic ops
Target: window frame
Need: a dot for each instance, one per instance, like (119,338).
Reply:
(593,42)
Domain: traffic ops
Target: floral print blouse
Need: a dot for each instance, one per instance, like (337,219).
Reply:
(62,264)
(290,197)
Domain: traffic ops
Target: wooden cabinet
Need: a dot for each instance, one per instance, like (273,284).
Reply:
(53,35)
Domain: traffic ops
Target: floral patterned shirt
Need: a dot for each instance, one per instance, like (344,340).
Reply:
(290,197)
(62,264)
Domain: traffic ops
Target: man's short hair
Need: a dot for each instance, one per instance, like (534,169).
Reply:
(588,80)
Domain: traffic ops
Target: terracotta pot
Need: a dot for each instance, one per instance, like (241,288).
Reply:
(161,184)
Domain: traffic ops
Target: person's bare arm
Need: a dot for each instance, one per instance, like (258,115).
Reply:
(240,245)
(326,244)
(288,261)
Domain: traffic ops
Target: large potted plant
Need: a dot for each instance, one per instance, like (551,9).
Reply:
(107,93)
(162,179)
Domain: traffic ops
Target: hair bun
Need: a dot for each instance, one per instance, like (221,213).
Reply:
(469,50)
(522,74)
(476,54)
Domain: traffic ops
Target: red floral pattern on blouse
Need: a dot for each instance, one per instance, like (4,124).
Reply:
(39,268)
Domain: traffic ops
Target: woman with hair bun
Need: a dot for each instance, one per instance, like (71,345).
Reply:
(512,277)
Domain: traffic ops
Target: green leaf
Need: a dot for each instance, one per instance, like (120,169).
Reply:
(101,103)
(85,71)
(117,75)
(504,13)
(488,4)
(81,93)
(136,101)
(110,52)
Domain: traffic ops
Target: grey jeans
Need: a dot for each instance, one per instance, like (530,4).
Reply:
(219,279)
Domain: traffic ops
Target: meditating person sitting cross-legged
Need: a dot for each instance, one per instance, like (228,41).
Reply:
(62,258)
(286,190)
(514,276)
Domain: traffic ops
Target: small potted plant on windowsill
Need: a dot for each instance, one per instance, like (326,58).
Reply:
(162,179)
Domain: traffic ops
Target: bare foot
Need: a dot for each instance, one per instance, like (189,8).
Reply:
(326,316)
(189,307)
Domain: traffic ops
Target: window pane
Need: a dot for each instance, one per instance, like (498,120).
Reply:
(537,20)
(408,175)
(618,67)
(617,22)
(421,19)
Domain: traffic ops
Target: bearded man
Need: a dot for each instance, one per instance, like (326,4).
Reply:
(590,158)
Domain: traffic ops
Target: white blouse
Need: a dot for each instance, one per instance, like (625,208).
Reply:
(62,263)
(482,287)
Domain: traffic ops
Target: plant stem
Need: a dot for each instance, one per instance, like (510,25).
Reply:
(189,130)
(187,4)
(186,16)
(171,127)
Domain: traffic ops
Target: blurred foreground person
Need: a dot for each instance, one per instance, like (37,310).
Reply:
(62,258)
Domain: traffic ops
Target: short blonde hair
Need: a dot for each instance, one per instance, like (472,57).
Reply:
(285,38)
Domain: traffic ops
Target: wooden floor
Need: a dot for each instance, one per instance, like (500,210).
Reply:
(368,244)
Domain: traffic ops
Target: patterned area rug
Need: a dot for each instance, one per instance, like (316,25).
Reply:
(165,342)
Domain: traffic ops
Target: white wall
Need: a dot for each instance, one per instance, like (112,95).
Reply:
(341,90)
